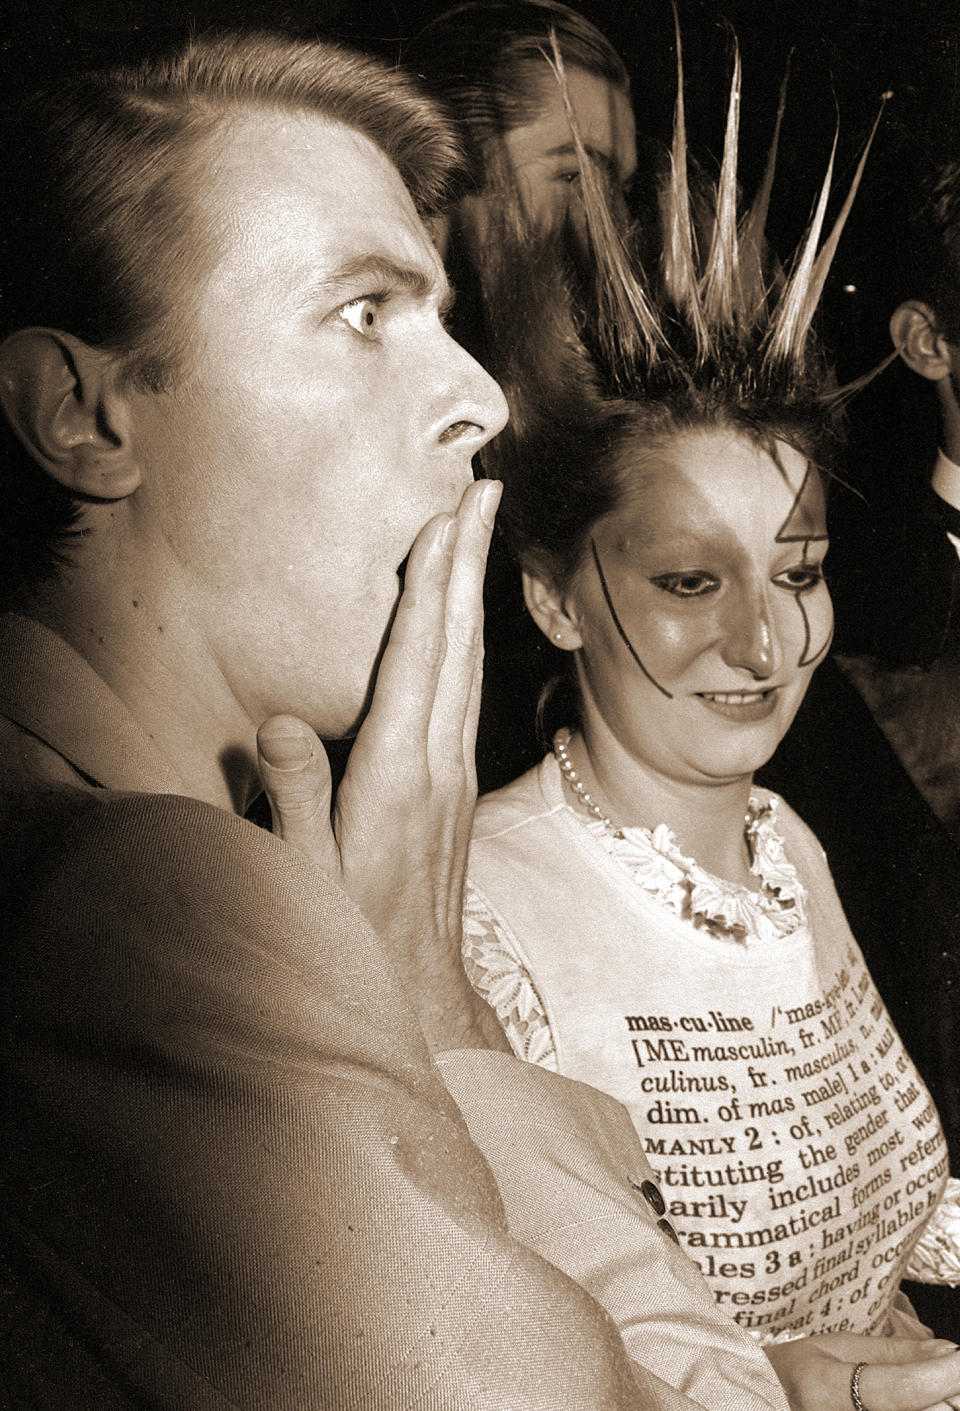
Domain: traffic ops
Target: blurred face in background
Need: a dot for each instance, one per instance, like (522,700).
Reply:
(541,160)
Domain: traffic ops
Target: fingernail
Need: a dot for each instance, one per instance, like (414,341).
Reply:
(449,536)
(285,749)
(489,500)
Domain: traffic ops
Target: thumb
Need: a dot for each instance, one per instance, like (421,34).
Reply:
(295,774)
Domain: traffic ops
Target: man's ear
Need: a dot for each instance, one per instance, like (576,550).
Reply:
(551,613)
(64,401)
(917,337)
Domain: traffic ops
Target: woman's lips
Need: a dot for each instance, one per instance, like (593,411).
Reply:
(741,705)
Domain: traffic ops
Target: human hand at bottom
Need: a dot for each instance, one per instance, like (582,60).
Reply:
(902,1374)
(397,835)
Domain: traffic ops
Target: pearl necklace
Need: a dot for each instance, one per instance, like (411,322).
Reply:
(710,903)
(560,742)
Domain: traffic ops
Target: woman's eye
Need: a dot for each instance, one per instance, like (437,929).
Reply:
(362,315)
(569,178)
(686,585)
(801,578)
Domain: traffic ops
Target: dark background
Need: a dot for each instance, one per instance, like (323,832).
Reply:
(846,53)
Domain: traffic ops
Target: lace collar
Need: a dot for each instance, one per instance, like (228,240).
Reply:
(775,910)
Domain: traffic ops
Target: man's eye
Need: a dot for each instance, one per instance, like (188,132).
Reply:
(569,178)
(686,585)
(801,578)
(362,314)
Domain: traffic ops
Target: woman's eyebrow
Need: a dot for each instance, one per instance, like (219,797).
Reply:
(600,159)
(676,539)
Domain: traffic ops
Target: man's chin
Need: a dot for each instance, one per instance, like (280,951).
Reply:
(346,723)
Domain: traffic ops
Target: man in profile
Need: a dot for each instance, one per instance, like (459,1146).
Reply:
(233,1176)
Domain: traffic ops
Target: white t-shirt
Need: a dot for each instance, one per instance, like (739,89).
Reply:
(797,1149)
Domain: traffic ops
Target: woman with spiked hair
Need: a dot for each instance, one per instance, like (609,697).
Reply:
(639,914)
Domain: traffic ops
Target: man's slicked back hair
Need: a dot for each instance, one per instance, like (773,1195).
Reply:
(100,230)
(102,236)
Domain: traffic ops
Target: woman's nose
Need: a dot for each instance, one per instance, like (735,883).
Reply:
(750,639)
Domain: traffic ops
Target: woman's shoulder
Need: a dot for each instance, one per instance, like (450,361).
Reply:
(523,802)
(800,843)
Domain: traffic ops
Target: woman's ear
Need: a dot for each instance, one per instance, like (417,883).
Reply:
(917,337)
(551,613)
(64,401)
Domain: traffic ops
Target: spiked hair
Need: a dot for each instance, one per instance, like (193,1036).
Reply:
(603,367)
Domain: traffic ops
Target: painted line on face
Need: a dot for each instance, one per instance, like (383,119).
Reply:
(784,537)
(799,594)
(619,625)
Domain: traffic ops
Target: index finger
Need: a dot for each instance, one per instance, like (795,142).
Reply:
(458,686)
(409,669)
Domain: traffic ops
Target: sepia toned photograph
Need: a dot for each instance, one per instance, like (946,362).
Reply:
(480,705)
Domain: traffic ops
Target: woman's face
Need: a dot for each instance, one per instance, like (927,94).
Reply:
(542,155)
(542,158)
(699,610)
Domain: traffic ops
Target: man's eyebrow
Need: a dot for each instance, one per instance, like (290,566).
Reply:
(381,272)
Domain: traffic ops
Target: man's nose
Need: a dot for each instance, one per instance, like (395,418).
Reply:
(476,409)
(751,641)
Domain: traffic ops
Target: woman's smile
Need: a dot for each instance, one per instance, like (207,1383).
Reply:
(741,706)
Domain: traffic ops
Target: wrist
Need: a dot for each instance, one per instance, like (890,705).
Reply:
(453,1016)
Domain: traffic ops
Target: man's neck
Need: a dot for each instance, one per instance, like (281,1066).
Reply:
(946,479)
(168,684)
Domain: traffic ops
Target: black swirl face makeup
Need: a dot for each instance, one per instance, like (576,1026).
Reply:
(702,606)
